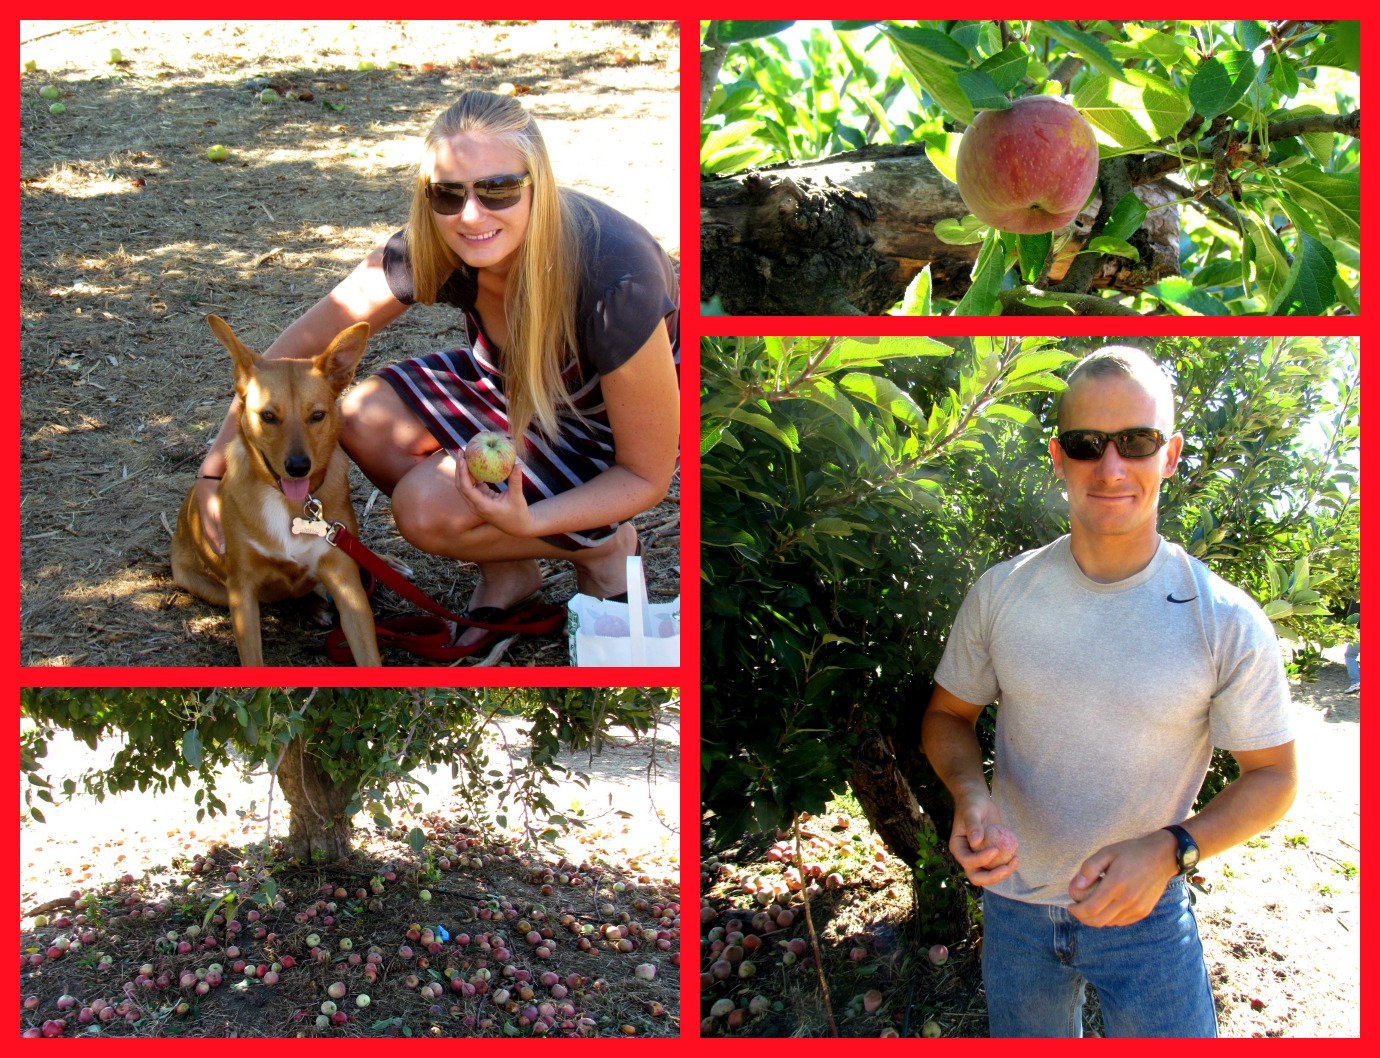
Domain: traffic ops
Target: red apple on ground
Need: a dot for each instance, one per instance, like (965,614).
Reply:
(490,456)
(1028,169)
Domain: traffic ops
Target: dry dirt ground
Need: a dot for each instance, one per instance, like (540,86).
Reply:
(630,807)
(1281,928)
(130,237)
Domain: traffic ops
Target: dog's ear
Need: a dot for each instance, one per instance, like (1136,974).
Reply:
(342,356)
(245,358)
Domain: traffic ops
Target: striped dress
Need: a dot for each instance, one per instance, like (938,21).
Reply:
(630,287)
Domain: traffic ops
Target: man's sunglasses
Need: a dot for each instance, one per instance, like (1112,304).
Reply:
(497,192)
(1138,443)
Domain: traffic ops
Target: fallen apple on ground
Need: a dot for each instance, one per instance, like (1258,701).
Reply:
(1028,169)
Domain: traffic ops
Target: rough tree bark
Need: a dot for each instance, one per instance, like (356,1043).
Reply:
(880,783)
(318,828)
(845,234)
(910,809)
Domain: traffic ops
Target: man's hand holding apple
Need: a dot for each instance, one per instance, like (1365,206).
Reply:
(982,845)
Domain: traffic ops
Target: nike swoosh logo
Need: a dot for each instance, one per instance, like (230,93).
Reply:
(1171,598)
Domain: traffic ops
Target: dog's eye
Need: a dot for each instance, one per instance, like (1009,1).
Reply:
(317,415)
(268,416)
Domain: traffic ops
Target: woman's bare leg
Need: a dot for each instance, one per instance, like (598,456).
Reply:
(603,571)
(382,434)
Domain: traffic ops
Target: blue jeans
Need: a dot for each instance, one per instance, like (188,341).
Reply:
(1037,960)
(1353,661)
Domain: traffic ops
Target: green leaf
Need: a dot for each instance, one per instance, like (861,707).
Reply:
(916,301)
(732,133)
(844,25)
(1346,295)
(1220,82)
(1133,111)
(868,350)
(1268,254)
(191,748)
(981,91)
(1151,41)
(416,839)
(1250,33)
(1007,67)
(731,31)
(832,526)
(1032,252)
(981,298)
(785,433)
(823,392)
(1180,295)
(733,160)
(1334,199)
(1283,76)
(1086,46)
(1116,247)
(963,232)
(1021,416)
(937,44)
(1309,289)
(37,815)
(1035,362)
(1343,50)
(885,394)
(935,75)
(1126,217)
(942,151)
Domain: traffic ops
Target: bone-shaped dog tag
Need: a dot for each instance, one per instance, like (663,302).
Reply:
(313,527)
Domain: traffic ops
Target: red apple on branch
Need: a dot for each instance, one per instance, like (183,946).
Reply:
(1029,169)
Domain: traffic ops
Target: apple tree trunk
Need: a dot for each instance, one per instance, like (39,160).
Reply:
(844,235)
(318,828)
(911,811)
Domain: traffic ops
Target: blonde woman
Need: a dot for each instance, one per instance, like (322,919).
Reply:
(572,311)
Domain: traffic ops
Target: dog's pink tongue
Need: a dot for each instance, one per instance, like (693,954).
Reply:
(296,489)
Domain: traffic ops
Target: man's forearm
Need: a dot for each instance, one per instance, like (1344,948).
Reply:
(1254,802)
(952,748)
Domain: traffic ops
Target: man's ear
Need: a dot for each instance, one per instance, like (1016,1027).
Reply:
(1173,449)
(1056,454)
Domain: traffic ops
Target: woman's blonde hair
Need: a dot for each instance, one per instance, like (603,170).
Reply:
(542,284)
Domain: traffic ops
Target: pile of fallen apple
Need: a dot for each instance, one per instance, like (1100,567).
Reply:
(496,975)
(756,927)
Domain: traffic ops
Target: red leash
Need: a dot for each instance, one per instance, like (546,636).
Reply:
(431,637)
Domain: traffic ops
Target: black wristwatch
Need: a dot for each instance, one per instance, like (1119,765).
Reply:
(1187,854)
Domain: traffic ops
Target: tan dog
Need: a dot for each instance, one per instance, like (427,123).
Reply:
(284,454)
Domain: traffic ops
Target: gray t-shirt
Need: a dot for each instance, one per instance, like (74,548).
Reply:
(1111,698)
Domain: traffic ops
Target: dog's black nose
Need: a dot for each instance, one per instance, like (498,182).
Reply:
(297,466)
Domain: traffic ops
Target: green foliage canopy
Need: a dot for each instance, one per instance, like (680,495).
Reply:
(372,740)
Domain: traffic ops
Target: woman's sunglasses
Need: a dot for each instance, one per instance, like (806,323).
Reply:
(1138,443)
(497,192)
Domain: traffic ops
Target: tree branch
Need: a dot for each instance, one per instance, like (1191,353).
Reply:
(711,62)
(1112,175)
(1212,202)
(1147,167)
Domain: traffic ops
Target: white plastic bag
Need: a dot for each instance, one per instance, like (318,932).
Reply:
(632,633)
